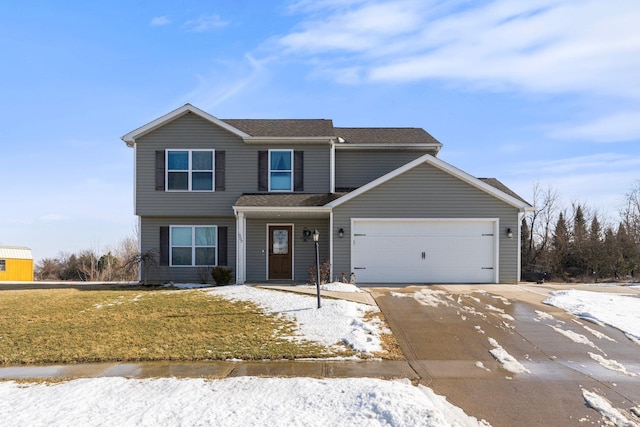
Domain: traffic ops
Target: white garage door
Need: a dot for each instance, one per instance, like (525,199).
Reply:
(424,251)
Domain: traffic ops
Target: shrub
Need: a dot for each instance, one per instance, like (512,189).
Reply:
(222,275)
(325,271)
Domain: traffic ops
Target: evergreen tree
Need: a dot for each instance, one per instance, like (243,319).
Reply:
(560,247)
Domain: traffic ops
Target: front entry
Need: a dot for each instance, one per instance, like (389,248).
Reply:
(280,252)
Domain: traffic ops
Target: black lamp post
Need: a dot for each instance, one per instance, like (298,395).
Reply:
(316,237)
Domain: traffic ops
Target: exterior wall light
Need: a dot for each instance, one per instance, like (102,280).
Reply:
(341,232)
(509,233)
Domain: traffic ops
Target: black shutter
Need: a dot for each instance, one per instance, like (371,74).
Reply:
(298,171)
(164,245)
(160,170)
(220,164)
(222,245)
(263,171)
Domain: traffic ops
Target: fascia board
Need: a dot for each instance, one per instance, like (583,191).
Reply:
(288,139)
(347,146)
(281,209)
(444,166)
(178,112)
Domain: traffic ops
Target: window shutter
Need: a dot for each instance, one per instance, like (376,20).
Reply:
(220,173)
(164,245)
(160,170)
(222,245)
(298,171)
(263,171)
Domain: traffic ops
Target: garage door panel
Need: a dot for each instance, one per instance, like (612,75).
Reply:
(406,251)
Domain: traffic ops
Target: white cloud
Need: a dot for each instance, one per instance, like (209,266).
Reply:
(227,81)
(205,23)
(552,46)
(623,126)
(159,21)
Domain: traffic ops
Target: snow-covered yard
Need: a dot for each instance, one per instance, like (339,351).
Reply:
(283,401)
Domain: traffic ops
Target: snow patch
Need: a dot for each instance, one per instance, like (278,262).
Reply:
(544,315)
(611,364)
(335,287)
(508,361)
(577,338)
(607,410)
(618,311)
(336,321)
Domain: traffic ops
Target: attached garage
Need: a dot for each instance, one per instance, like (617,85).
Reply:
(425,250)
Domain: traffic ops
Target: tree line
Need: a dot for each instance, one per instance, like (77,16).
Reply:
(119,264)
(577,243)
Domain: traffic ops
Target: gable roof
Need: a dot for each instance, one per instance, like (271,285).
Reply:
(516,201)
(15,252)
(301,130)
(169,117)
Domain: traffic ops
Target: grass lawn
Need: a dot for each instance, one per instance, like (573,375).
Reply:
(135,324)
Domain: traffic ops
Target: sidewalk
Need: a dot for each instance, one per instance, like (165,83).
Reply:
(384,369)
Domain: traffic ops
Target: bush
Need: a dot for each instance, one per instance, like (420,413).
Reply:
(325,270)
(222,275)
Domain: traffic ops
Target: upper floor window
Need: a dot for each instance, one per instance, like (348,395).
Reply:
(190,170)
(193,246)
(280,170)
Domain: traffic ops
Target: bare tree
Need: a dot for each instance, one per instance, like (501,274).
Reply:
(538,225)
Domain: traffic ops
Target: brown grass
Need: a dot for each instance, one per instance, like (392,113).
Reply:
(136,324)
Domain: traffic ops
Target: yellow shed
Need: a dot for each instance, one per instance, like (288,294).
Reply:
(16,264)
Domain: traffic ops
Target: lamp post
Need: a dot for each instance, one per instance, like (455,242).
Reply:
(316,237)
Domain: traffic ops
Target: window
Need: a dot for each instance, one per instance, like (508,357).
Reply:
(280,170)
(193,245)
(3,265)
(190,170)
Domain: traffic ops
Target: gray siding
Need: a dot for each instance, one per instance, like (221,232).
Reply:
(427,192)
(150,238)
(304,252)
(193,132)
(355,168)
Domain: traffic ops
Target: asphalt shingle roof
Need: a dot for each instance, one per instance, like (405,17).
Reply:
(500,186)
(283,127)
(287,199)
(385,136)
(324,127)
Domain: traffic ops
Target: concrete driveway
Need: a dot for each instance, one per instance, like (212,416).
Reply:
(445,331)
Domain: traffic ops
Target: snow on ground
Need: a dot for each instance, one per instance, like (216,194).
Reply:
(619,311)
(336,321)
(334,287)
(577,338)
(611,364)
(246,401)
(508,361)
(613,415)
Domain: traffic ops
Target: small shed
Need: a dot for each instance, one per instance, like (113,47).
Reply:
(16,264)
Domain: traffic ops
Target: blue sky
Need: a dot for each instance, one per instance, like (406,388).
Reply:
(543,91)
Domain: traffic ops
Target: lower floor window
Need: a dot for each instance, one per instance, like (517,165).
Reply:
(3,265)
(193,245)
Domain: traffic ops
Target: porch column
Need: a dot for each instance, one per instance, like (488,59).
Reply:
(241,227)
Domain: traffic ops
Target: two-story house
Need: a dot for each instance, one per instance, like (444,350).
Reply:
(248,193)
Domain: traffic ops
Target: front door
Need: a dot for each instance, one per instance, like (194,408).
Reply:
(280,252)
